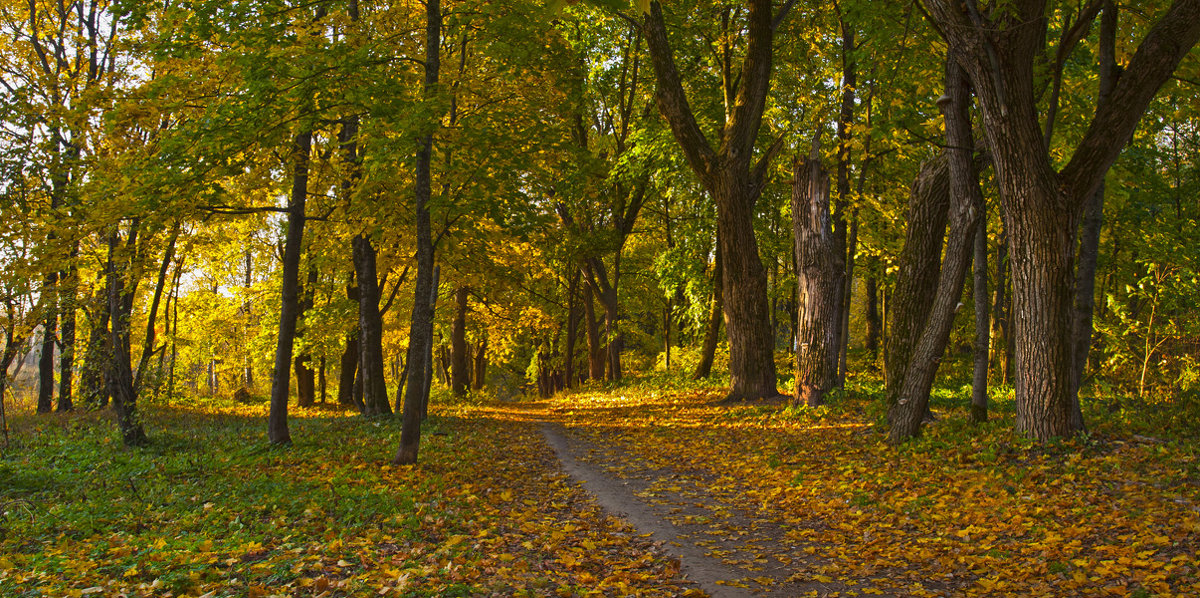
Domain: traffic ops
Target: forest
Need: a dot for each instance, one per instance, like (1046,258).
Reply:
(329,297)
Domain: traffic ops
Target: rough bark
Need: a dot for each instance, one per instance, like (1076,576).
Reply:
(460,360)
(920,265)
(908,413)
(421,328)
(277,425)
(819,272)
(735,181)
(1042,206)
(716,309)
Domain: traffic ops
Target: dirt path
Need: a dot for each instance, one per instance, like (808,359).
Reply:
(726,550)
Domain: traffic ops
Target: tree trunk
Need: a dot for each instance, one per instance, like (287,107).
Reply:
(595,350)
(45,400)
(845,303)
(433,295)
(873,331)
(1093,218)
(1001,333)
(920,265)
(306,383)
(277,425)
(912,401)
(248,369)
(479,378)
(612,334)
(819,272)
(421,329)
(1041,206)
(150,339)
(847,248)
(712,332)
(68,281)
(120,306)
(347,371)
(573,317)
(370,326)
(747,321)
(979,398)
(93,379)
(460,368)
(735,181)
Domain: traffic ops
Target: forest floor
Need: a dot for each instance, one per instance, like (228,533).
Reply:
(635,490)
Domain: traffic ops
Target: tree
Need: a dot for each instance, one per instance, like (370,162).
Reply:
(819,273)
(998,48)
(735,179)
(420,337)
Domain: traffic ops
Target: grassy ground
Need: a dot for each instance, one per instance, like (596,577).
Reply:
(210,509)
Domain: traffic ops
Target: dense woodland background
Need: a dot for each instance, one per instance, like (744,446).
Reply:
(511,197)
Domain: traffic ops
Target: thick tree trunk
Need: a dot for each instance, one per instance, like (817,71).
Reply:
(819,272)
(716,309)
(370,326)
(979,398)
(747,320)
(912,401)
(920,265)
(277,425)
(421,329)
(460,368)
